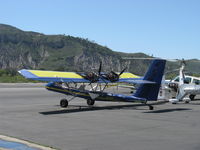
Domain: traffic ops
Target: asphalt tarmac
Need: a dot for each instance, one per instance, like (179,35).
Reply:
(32,113)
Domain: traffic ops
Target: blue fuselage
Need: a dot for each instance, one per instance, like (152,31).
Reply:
(102,96)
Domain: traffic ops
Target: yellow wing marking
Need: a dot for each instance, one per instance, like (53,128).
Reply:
(55,74)
(58,74)
(128,75)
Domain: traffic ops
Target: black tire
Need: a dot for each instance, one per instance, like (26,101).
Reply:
(186,102)
(90,102)
(151,107)
(192,96)
(63,103)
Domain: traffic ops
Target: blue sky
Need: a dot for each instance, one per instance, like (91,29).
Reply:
(164,28)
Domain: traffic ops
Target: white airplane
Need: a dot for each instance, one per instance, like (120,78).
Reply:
(186,87)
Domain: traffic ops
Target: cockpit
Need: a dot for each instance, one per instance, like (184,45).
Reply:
(188,80)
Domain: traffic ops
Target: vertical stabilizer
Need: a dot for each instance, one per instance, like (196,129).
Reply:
(153,74)
(181,75)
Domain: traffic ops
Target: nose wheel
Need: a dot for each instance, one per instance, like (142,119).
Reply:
(150,107)
(192,97)
(63,103)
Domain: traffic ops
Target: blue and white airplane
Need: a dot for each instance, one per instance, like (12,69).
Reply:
(147,91)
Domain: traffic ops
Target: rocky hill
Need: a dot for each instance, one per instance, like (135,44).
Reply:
(21,49)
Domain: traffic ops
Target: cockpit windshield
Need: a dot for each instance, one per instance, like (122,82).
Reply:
(187,80)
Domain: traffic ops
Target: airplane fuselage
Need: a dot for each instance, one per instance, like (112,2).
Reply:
(97,96)
(191,89)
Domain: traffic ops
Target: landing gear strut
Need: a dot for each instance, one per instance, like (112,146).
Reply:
(150,106)
(63,103)
(90,102)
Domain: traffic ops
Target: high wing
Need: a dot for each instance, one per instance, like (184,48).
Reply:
(57,76)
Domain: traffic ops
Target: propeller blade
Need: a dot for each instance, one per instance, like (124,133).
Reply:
(100,66)
(114,73)
(123,70)
(102,78)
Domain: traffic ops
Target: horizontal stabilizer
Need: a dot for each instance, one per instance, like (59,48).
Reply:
(139,81)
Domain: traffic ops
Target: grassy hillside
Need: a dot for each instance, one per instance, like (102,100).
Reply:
(31,50)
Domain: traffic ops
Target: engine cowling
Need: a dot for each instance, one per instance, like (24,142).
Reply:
(91,76)
(113,77)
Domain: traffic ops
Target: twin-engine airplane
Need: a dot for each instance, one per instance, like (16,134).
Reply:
(61,82)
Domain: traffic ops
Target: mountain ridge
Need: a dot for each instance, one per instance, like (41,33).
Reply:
(32,50)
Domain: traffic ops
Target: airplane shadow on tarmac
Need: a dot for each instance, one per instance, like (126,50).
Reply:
(78,108)
(168,110)
(195,100)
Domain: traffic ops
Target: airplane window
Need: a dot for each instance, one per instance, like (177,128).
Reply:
(196,81)
(176,79)
(187,80)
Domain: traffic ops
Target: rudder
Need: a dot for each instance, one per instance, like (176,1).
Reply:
(153,74)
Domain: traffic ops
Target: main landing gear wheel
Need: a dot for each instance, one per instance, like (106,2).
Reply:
(63,103)
(192,97)
(90,102)
(186,102)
